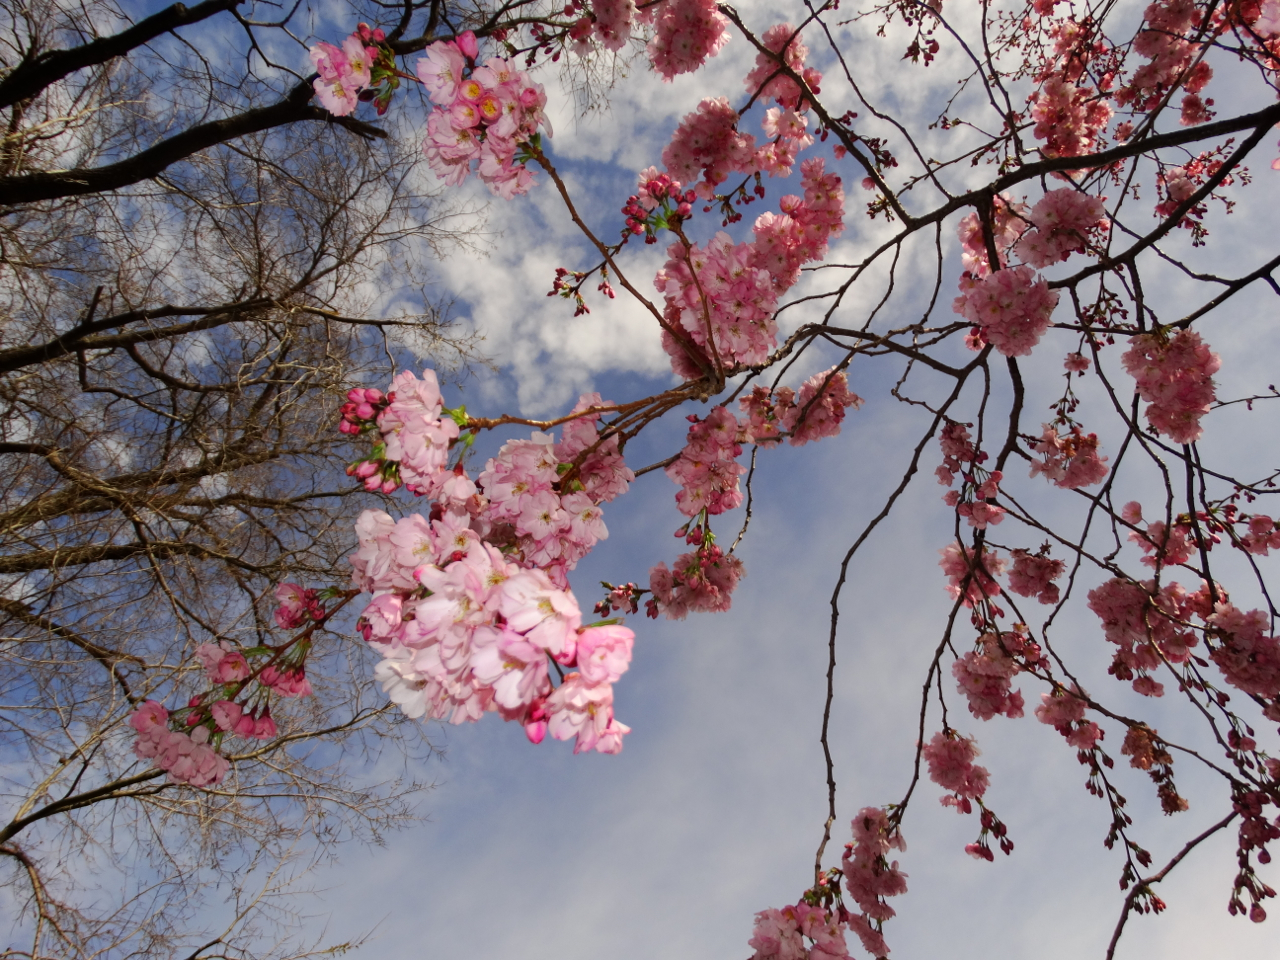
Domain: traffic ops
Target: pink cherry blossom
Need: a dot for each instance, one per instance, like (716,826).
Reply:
(1247,656)
(1063,222)
(950,759)
(1032,575)
(1070,459)
(1011,307)
(702,581)
(687,33)
(971,574)
(1174,375)
(577,709)
(820,408)
(1064,711)
(983,676)
(765,79)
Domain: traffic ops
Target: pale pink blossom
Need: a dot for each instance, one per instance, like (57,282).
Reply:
(686,33)
(950,759)
(1174,375)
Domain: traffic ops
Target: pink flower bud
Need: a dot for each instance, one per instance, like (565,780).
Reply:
(467,44)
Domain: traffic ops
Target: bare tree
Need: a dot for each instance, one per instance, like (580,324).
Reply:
(194,268)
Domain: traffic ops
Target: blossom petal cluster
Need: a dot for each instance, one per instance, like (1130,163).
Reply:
(1071,458)
(686,33)
(721,299)
(483,115)
(1246,654)
(950,758)
(1148,625)
(707,468)
(766,80)
(345,72)
(188,758)
(983,675)
(971,573)
(1064,711)
(698,582)
(1011,308)
(471,604)
(1032,575)
(870,877)
(1175,377)
(1063,222)
(782,934)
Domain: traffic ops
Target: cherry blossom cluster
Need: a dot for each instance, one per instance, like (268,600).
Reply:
(471,603)
(363,69)
(707,147)
(1147,624)
(1247,656)
(700,581)
(781,934)
(1263,535)
(1010,308)
(950,758)
(608,21)
(188,758)
(978,488)
(415,435)
(1174,376)
(870,877)
(297,606)
(983,675)
(1008,223)
(657,204)
(1164,545)
(766,79)
(1069,117)
(484,114)
(1070,459)
(1064,711)
(971,573)
(720,300)
(1063,222)
(719,304)
(707,468)
(800,233)
(1256,831)
(707,144)
(820,408)
(551,519)
(235,701)
(476,634)
(624,598)
(686,33)
(1163,42)
(1032,575)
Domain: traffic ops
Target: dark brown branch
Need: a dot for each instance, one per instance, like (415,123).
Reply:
(32,76)
(53,184)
